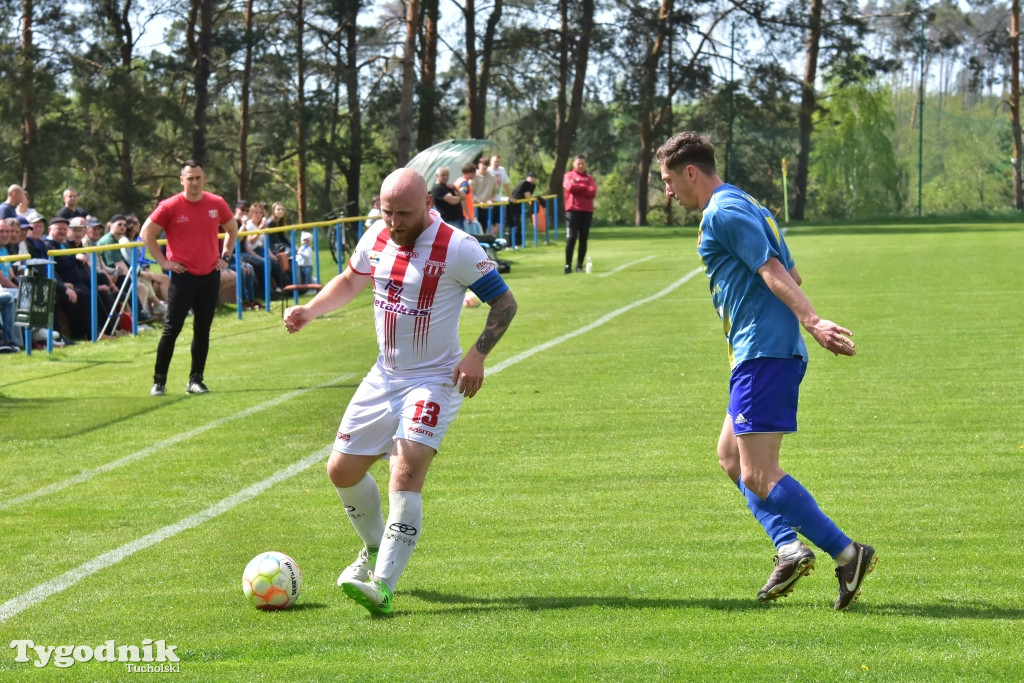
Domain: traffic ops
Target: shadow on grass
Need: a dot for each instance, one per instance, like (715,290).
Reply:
(477,604)
(852,230)
(66,367)
(464,603)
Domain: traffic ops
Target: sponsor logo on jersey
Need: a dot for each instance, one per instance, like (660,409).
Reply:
(433,268)
(398,252)
(485,266)
(374,258)
(344,437)
(401,309)
(420,430)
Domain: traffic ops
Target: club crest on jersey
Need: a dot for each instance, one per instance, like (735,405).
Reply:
(485,266)
(433,268)
(213,214)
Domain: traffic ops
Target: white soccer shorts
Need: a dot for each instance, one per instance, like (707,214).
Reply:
(385,409)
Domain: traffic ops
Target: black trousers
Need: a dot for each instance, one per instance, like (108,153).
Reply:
(198,293)
(578,227)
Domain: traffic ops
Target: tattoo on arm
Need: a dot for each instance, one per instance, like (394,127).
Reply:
(503,309)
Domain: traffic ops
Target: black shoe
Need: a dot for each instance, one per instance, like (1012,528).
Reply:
(851,575)
(195,387)
(568,270)
(579,269)
(788,570)
(158,390)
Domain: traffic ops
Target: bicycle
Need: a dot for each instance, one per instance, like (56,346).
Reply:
(349,235)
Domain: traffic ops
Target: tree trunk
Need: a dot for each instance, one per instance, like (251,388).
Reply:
(1018,187)
(355,121)
(201,12)
(648,115)
(412,29)
(29,127)
(429,97)
(476,123)
(301,188)
(568,115)
(805,116)
(243,124)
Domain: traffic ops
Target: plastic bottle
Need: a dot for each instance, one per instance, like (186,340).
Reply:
(589,266)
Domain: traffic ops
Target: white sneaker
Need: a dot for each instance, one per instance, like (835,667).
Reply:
(361,568)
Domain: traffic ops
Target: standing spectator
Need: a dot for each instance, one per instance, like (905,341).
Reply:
(9,208)
(407,401)
(524,189)
(501,178)
(191,221)
(447,199)
(304,258)
(71,207)
(485,191)
(465,187)
(580,190)
(755,288)
(26,203)
(374,214)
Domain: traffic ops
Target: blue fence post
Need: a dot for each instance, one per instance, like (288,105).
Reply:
(94,292)
(239,274)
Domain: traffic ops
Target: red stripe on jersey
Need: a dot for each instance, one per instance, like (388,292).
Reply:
(393,290)
(428,288)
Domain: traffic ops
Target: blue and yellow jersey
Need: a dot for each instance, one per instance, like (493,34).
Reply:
(737,236)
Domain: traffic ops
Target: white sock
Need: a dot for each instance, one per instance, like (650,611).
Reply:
(405,517)
(847,555)
(362,503)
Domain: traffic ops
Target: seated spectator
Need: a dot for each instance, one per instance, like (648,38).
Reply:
(10,336)
(156,284)
(250,219)
(280,242)
(71,294)
(33,244)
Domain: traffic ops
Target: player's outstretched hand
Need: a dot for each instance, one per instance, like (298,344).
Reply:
(295,318)
(833,337)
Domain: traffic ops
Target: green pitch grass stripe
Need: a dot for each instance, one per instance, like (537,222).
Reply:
(590,326)
(84,571)
(64,581)
(160,445)
(627,265)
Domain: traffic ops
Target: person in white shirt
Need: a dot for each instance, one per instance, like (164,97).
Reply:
(419,269)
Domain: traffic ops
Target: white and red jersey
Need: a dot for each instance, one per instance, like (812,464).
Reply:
(417,295)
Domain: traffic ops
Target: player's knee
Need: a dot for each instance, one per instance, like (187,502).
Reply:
(729,460)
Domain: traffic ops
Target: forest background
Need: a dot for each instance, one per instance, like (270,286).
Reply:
(876,109)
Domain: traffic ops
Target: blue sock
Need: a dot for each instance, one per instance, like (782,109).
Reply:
(799,510)
(777,530)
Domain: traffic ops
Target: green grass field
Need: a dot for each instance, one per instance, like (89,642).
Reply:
(577,526)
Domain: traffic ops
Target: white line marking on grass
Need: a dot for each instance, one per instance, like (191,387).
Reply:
(627,265)
(84,571)
(498,367)
(67,579)
(86,475)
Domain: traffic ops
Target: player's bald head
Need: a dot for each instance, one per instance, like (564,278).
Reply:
(404,182)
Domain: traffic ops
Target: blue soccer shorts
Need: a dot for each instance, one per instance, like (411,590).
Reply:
(764,393)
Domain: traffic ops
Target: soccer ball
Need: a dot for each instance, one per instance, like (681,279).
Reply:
(471,300)
(272,581)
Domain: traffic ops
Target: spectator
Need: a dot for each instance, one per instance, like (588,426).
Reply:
(465,186)
(280,242)
(485,191)
(18,242)
(73,275)
(447,199)
(155,286)
(304,258)
(33,244)
(71,207)
(93,232)
(374,214)
(115,259)
(524,190)
(249,302)
(77,228)
(71,295)
(15,195)
(10,341)
(253,251)
(26,203)
(501,178)
(580,190)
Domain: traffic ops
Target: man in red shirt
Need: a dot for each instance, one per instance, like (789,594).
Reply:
(580,189)
(191,221)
